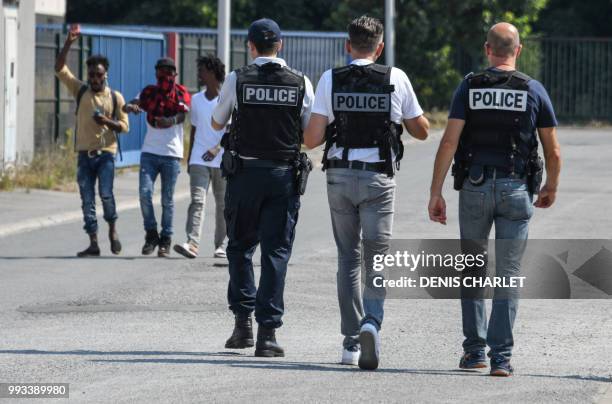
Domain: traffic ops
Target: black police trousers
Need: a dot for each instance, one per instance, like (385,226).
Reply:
(261,207)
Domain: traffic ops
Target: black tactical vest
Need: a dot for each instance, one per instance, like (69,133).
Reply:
(494,134)
(361,102)
(267,121)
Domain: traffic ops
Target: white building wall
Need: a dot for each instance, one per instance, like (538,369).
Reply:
(51,7)
(27,67)
(26,49)
(2,100)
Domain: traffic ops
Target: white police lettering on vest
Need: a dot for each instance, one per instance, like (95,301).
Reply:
(361,102)
(498,98)
(270,95)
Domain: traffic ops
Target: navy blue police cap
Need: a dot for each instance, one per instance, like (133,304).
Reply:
(264,31)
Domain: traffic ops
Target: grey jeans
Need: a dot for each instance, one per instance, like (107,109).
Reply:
(361,205)
(200,177)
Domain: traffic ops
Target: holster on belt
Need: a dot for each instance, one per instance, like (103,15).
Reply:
(459,172)
(303,167)
(535,171)
(230,161)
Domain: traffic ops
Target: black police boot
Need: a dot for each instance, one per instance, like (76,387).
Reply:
(151,241)
(164,246)
(267,346)
(113,237)
(93,250)
(242,336)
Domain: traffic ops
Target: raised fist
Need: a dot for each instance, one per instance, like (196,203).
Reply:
(73,33)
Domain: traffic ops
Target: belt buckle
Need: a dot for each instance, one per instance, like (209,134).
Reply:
(96,153)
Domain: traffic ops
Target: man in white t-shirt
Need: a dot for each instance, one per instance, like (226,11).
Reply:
(205,160)
(166,105)
(365,105)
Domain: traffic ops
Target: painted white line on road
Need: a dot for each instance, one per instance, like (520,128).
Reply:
(73,216)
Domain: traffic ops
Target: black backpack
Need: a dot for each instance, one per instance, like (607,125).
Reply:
(80,94)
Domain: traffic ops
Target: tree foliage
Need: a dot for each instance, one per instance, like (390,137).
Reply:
(436,41)
(576,18)
(439,41)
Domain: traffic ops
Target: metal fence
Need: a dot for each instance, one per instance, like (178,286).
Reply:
(54,107)
(576,72)
(309,52)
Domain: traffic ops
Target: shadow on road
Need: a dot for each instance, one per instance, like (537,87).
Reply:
(334,367)
(111,353)
(243,361)
(108,257)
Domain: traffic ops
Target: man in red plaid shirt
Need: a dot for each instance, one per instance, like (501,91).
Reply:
(166,104)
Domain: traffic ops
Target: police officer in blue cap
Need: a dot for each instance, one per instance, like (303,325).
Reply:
(269,104)
(491,132)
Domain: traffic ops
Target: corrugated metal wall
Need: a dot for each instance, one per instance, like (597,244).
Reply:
(132,66)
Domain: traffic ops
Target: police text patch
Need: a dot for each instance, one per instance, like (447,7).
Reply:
(498,98)
(361,102)
(270,95)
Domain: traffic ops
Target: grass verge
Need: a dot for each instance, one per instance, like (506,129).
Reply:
(52,169)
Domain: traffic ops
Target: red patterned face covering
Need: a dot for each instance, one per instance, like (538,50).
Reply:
(166,99)
(166,83)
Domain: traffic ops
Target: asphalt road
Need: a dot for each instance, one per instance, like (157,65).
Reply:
(139,329)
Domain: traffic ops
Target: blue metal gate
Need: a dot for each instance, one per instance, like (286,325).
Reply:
(132,57)
(132,66)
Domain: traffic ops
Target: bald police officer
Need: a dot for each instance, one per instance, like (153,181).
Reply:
(364,105)
(270,103)
(491,132)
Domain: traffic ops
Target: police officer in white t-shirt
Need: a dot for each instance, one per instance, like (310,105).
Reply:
(358,112)
(205,160)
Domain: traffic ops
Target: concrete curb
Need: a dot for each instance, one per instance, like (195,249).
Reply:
(72,216)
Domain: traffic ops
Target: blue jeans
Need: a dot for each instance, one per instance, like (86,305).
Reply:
(89,169)
(261,207)
(361,206)
(507,203)
(152,165)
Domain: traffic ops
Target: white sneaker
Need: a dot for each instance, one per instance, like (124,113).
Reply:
(350,356)
(370,347)
(220,253)
(186,250)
